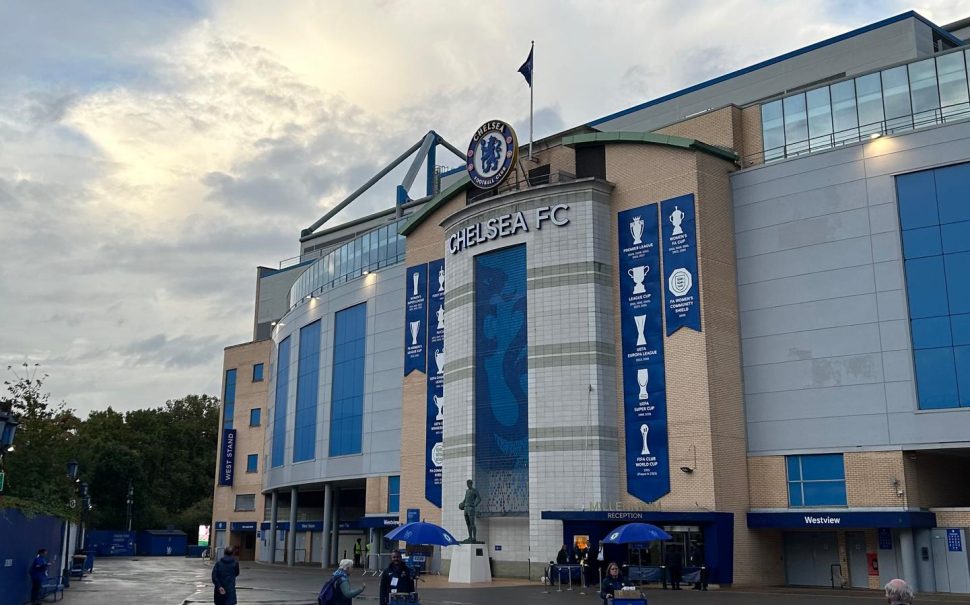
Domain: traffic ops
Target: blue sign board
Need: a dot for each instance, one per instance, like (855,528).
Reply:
(953,541)
(242,526)
(683,308)
(414,515)
(842,519)
(644,382)
(885,538)
(434,416)
(416,320)
(228,456)
(220,525)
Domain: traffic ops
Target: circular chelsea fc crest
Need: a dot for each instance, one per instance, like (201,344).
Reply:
(491,154)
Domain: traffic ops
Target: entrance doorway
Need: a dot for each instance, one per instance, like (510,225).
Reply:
(855,548)
(811,559)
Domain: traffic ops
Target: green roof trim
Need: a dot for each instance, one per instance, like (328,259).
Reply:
(649,138)
(434,203)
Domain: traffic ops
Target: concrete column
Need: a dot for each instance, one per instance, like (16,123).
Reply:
(907,551)
(327,506)
(291,535)
(335,527)
(274,512)
(372,558)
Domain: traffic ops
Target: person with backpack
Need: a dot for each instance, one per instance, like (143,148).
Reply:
(337,590)
(224,574)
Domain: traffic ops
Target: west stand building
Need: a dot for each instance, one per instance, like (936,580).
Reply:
(737,311)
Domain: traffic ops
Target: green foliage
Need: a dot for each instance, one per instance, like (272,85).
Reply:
(166,454)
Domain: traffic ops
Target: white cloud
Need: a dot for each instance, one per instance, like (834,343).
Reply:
(151,154)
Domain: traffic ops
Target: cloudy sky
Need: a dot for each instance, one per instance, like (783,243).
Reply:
(152,154)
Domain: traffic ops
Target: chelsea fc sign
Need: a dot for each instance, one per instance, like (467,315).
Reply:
(491,154)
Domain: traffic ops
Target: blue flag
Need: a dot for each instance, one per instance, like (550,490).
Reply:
(526,69)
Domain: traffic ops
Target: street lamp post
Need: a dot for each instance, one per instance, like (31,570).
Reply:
(129,502)
(72,471)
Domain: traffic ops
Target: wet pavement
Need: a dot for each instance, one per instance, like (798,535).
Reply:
(179,581)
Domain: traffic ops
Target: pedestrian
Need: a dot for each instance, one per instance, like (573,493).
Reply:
(343,593)
(675,567)
(898,592)
(224,574)
(562,558)
(38,573)
(396,578)
(611,583)
(358,549)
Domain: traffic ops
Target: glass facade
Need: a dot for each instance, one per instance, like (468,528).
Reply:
(279,409)
(934,213)
(368,252)
(501,381)
(922,93)
(307,386)
(347,391)
(229,399)
(394,494)
(816,480)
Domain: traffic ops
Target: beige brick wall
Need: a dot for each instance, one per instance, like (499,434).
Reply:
(870,477)
(952,517)
(767,482)
(376,499)
(752,143)
(714,127)
(249,440)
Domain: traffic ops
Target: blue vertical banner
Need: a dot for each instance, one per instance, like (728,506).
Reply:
(641,327)
(228,462)
(415,318)
(434,434)
(679,242)
(502,381)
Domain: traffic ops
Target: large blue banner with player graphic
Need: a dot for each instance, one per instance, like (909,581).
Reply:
(435,407)
(501,381)
(683,308)
(415,318)
(641,327)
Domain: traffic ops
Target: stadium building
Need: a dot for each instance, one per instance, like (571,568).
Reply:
(740,312)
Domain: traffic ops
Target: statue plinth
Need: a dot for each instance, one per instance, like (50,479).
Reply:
(469,563)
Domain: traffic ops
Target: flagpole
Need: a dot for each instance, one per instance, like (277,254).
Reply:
(531,89)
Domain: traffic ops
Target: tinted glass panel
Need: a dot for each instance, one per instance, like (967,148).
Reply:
(926,286)
(956,237)
(252,463)
(922,242)
(926,97)
(868,91)
(961,357)
(822,467)
(307,386)
(953,192)
(279,405)
(844,117)
(229,399)
(258,372)
(917,200)
(773,130)
(796,124)
(255,417)
(794,468)
(895,92)
(347,388)
(795,494)
(825,493)
(960,329)
(931,333)
(952,76)
(958,281)
(819,118)
(936,378)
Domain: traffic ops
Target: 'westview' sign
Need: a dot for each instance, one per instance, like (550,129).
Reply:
(507,225)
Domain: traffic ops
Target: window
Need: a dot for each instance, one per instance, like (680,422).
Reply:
(895,92)
(926,96)
(816,480)
(796,124)
(845,120)
(952,75)
(307,386)
(252,463)
(279,406)
(258,372)
(819,118)
(394,494)
(934,215)
(773,130)
(255,416)
(347,384)
(245,502)
(229,399)
(868,92)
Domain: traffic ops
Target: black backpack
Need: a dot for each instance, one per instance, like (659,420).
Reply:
(329,591)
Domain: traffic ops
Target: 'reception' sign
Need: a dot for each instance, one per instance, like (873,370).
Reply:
(644,381)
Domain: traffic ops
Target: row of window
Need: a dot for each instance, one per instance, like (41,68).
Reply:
(368,252)
(247,502)
(229,397)
(923,93)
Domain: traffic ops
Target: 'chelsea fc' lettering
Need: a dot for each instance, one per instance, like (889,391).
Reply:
(505,226)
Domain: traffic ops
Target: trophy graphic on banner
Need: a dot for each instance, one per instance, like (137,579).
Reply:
(440,403)
(414,279)
(440,314)
(643,377)
(640,321)
(415,326)
(439,360)
(441,279)
(636,230)
(644,430)
(676,218)
(638,274)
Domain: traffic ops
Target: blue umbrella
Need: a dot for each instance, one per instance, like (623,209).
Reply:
(635,533)
(420,532)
